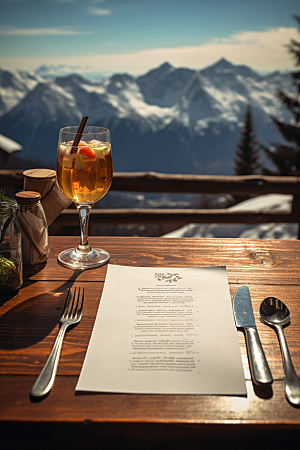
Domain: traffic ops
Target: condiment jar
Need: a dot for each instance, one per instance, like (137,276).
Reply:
(34,229)
(11,266)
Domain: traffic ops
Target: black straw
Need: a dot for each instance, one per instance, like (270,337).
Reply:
(79,134)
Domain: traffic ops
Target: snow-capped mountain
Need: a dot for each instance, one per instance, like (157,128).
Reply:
(172,120)
(164,86)
(14,85)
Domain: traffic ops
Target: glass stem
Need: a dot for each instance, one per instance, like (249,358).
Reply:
(84,213)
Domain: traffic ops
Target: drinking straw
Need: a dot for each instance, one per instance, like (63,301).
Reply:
(79,134)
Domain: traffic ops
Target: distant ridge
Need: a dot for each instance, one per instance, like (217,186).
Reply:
(171,120)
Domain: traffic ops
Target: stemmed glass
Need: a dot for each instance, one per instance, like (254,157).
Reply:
(84,174)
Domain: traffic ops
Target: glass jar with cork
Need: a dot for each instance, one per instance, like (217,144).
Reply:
(34,229)
(11,266)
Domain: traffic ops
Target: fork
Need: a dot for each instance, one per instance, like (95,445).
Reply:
(71,315)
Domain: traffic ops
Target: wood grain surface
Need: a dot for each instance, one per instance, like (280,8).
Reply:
(29,325)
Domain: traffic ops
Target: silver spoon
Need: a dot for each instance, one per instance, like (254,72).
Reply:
(275,313)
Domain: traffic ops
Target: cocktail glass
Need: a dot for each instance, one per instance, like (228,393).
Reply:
(84,174)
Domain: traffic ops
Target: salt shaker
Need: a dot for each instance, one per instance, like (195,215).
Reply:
(34,229)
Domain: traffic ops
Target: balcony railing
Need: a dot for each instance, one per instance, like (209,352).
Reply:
(151,182)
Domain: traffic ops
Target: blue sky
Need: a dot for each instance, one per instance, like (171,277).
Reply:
(134,36)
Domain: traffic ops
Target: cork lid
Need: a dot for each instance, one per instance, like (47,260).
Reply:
(27,197)
(39,174)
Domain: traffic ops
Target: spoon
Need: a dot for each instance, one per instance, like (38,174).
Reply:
(275,313)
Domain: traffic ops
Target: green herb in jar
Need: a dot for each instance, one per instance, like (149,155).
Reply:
(7,271)
(2,196)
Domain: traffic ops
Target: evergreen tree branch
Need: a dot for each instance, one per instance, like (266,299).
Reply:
(289,132)
(290,103)
(294,49)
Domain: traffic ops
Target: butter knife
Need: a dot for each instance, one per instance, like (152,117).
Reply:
(244,318)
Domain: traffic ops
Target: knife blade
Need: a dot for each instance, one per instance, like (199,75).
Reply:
(244,318)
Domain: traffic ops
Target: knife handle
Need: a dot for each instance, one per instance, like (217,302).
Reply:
(258,363)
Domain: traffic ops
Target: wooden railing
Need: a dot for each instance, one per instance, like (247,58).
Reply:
(150,182)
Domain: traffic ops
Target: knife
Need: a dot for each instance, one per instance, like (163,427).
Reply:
(244,318)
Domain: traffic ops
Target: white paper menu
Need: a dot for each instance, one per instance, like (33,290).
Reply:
(164,331)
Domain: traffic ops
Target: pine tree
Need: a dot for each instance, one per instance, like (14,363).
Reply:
(286,156)
(246,160)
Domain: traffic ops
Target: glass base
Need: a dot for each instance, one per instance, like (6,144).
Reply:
(77,260)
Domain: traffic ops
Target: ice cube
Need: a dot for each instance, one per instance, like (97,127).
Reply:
(78,161)
(94,143)
(100,152)
(67,163)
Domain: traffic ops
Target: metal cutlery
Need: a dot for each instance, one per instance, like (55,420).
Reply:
(71,315)
(244,318)
(276,314)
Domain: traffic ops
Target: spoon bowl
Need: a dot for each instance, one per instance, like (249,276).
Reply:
(275,313)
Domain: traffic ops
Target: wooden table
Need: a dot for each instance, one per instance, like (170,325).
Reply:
(29,324)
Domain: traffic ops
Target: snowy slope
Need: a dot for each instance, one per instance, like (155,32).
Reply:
(14,85)
(275,202)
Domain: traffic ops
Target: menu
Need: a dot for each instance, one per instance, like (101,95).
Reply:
(164,330)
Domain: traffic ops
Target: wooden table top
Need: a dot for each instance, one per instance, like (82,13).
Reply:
(29,325)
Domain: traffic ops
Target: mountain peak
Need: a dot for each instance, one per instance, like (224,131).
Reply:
(72,78)
(222,64)
(224,61)
(165,66)
(159,71)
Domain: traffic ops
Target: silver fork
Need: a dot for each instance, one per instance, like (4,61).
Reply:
(71,315)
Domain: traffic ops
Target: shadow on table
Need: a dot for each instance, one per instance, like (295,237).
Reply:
(32,320)
(263,390)
(28,271)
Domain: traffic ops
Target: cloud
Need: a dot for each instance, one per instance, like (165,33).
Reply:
(262,51)
(12,31)
(99,11)
(271,37)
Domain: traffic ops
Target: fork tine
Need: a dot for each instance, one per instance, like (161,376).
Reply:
(67,302)
(71,309)
(74,311)
(79,311)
